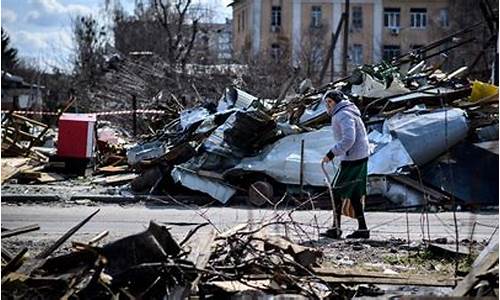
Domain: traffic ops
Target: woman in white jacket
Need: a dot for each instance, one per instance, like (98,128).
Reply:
(352,151)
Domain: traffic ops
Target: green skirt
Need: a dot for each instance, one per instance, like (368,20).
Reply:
(351,181)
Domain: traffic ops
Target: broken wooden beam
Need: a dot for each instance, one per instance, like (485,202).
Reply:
(305,256)
(200,254)
(115,179)
(331,275)
(6,254)
(485,261)
(417,186)
(98,237)
(448,250)
(14,263)
(410,280)
(45,253)
(20,230)
(12,166)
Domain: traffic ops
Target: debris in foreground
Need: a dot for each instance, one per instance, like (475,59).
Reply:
(250,259)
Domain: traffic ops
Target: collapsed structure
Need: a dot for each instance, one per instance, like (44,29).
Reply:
(274,146)
(262,148)
(424,126)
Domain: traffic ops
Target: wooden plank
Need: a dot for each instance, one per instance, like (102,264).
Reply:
(422,188)
(332,275)
(448,249)
(20,230)
(210,174)
(43,177)
(6,254)
(201,250)
(12,166)
(391,281)
(47,251)
(115,179)
(233,286)
(113,169)
(305,256)
(50,177)
(485,261)
(16,198)
(13,264)
(13,131)
(31,121)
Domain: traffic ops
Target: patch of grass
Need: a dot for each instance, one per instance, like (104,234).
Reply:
(425,261)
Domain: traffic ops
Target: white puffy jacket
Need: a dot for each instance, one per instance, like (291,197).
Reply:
(349,130)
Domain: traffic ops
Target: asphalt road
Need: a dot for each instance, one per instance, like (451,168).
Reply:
(124,220)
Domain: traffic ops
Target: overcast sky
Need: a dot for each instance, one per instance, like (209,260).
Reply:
(41,29)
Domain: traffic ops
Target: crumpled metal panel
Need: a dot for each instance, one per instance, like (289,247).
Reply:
(192,116)
(373,88)
(426,136)
(235,98)
(407,139)
(241,134)
(389,159)
(281,160)
(214,188)
(145,151)
(426,93)
(313,113)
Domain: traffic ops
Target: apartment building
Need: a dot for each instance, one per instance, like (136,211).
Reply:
(378,29)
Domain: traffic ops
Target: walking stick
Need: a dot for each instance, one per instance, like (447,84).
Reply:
(330,191)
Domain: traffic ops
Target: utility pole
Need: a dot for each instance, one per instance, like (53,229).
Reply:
(330,56)
(134,115)
(346,39)
(332,49)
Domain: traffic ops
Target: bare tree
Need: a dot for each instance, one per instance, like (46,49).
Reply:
(269,71)
(90,39)
(480,54)
(168,28)
(312,52)
(173,17)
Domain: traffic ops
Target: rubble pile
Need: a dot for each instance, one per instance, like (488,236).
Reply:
(152,264)
(259,149)
(248,142)
(21,134)
(145,80)
(248,260)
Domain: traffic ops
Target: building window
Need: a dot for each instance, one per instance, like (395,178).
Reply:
(357,54)
(357,17)
(275,51)
(275,18)
(391,51)
(418,17)
(444,18)
(392,18)
(316,16)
